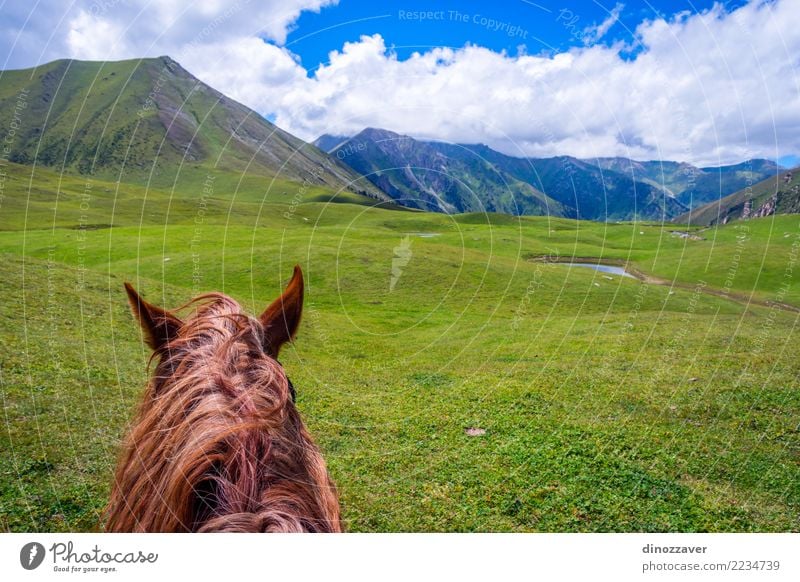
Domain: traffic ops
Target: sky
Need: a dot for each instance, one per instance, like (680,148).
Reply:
(701,82)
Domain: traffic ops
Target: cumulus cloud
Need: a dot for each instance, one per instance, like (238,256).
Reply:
(38,32)
(710,88)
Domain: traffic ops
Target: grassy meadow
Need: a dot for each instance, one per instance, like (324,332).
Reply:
(608,403)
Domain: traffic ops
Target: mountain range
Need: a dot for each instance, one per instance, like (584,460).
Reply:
(456,177)
(150,121)
(427,176)
(690,185)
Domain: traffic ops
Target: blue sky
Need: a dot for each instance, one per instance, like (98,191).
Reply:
(702,82)
(540,27)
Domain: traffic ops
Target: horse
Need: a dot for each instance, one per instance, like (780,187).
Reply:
(218,444)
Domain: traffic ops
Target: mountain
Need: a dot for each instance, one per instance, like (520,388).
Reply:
(571,187)
(591,192)
(149,120)
(421,175)
(598,189)
(690,185)
(776,195)
(328,143)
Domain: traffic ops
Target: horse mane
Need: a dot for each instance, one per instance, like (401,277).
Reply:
(218,444)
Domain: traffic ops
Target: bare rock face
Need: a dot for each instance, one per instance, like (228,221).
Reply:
(747,210)
(766,209)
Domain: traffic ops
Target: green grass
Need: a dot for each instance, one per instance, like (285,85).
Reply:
(608,405)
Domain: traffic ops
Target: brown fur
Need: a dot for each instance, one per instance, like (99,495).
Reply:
(218,444)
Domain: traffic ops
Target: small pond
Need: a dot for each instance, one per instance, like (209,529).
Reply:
(610,269)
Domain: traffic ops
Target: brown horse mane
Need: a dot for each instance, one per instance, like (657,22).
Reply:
(218,444)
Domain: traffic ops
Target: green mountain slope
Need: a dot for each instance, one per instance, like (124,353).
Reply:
(597,189)
(421,175)
(691,185)
(151,121)
(776,195)
(455,174)
(594,193)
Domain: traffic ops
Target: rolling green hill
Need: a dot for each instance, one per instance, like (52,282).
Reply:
(776,195)
(149,121)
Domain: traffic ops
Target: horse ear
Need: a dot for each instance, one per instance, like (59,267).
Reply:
(282,318)
(159,325)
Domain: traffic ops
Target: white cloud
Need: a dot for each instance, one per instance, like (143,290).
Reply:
(595,32)
(38,32)
(708,88)
(262,73)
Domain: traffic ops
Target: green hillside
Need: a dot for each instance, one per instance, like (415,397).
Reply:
(779,194)
(150,122)
(581,185)
(608,403)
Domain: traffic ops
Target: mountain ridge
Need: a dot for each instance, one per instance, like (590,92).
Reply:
(151,120)
(693,185)
(595,189)
(774,195)
(416,174)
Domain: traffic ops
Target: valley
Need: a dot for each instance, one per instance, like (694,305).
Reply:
(607,403)
(456,374)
